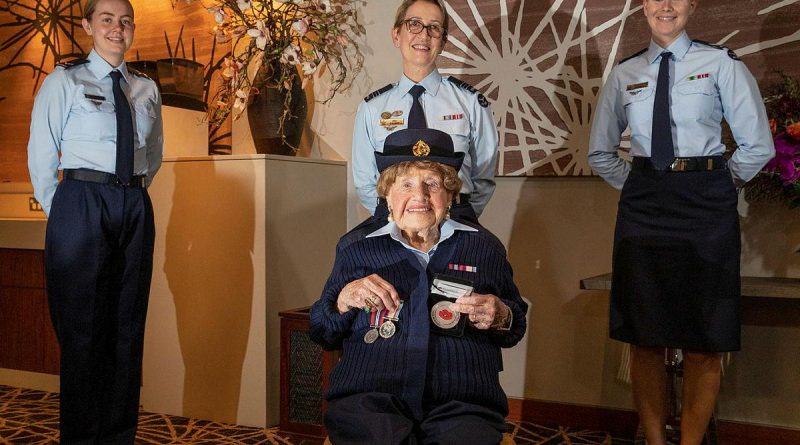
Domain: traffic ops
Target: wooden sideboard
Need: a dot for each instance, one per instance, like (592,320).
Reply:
(27,339)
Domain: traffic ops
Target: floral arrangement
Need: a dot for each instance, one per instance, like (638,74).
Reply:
(291,39)
(779,180)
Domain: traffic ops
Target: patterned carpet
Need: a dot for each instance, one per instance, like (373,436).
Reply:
(29,417)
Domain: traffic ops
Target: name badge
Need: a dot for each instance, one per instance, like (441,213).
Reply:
(93,97)
(636,86)
(391,122)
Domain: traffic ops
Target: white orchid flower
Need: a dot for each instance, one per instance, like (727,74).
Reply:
(301,26)
(219,14)
(324,5)
(260,34)
(290,55)
(309,68)
(241,100)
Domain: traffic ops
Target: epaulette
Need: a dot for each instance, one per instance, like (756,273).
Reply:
(731,53)
(461,84)
(636,54)
(72,63)
(138,73)
(377,93)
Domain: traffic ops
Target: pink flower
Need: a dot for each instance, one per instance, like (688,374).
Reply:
(785,162)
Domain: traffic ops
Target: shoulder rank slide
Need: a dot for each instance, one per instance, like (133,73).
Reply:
(636,54)
(138,73)
(731,53)
(377,93)
(464,85)
(72,63)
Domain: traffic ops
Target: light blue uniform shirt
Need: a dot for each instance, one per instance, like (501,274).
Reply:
(707,83)
(74,117)
(447,230)
(456,109)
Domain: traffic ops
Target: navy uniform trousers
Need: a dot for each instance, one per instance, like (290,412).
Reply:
(380,418)
(99,263)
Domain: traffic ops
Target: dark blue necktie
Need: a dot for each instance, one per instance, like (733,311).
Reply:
(124,167)
(416,118)
(662,151)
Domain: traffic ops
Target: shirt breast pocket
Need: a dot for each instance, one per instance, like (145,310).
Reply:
(458,129)
(91,120)
(694,101)
(638,106)
(146,114)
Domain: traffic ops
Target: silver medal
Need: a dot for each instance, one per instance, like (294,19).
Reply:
(387,329)
(371,336)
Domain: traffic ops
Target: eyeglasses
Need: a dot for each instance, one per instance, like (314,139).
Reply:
(415,26)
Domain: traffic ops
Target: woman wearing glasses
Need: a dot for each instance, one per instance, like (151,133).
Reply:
(422,98)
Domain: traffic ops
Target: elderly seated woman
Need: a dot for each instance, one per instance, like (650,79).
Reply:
(421,308)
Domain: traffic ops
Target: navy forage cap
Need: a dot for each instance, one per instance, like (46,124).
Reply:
(418,144)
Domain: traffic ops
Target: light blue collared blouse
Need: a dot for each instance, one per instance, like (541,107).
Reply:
(707,83)
(74,119)
(463,114)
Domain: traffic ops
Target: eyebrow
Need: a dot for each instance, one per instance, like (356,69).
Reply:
(112,15)
(420,19)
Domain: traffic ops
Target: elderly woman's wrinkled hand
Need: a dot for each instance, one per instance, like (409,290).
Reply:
(370,292)
(483,311)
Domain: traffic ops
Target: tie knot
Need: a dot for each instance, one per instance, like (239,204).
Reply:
(116,75)
(665,56)
(416,91)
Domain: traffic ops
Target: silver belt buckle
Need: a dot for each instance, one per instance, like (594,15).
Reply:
(679,165)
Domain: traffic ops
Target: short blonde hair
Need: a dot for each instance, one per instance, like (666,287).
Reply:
(450,180)
(400,15)
(91,5)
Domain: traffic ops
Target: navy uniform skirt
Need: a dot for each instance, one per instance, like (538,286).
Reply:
(676,277)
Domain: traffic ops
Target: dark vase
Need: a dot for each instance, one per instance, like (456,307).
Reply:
(264,110)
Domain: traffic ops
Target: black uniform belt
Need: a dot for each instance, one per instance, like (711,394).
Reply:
(84,174)
(693,164)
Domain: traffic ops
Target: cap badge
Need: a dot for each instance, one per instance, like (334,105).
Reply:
(421,148)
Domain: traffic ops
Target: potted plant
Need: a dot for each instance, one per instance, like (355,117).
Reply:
(277,47)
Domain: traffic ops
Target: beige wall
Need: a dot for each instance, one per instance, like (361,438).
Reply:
(558,231)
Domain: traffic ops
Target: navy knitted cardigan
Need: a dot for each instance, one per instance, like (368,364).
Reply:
(422,368)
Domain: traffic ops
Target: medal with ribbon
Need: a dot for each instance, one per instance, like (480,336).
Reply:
(372,334)
(388,328)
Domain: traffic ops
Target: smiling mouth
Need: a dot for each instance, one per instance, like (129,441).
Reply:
(420,47)
(419,210)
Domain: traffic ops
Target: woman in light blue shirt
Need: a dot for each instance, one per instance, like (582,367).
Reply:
(100,123)
(445,103)
(676,247)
